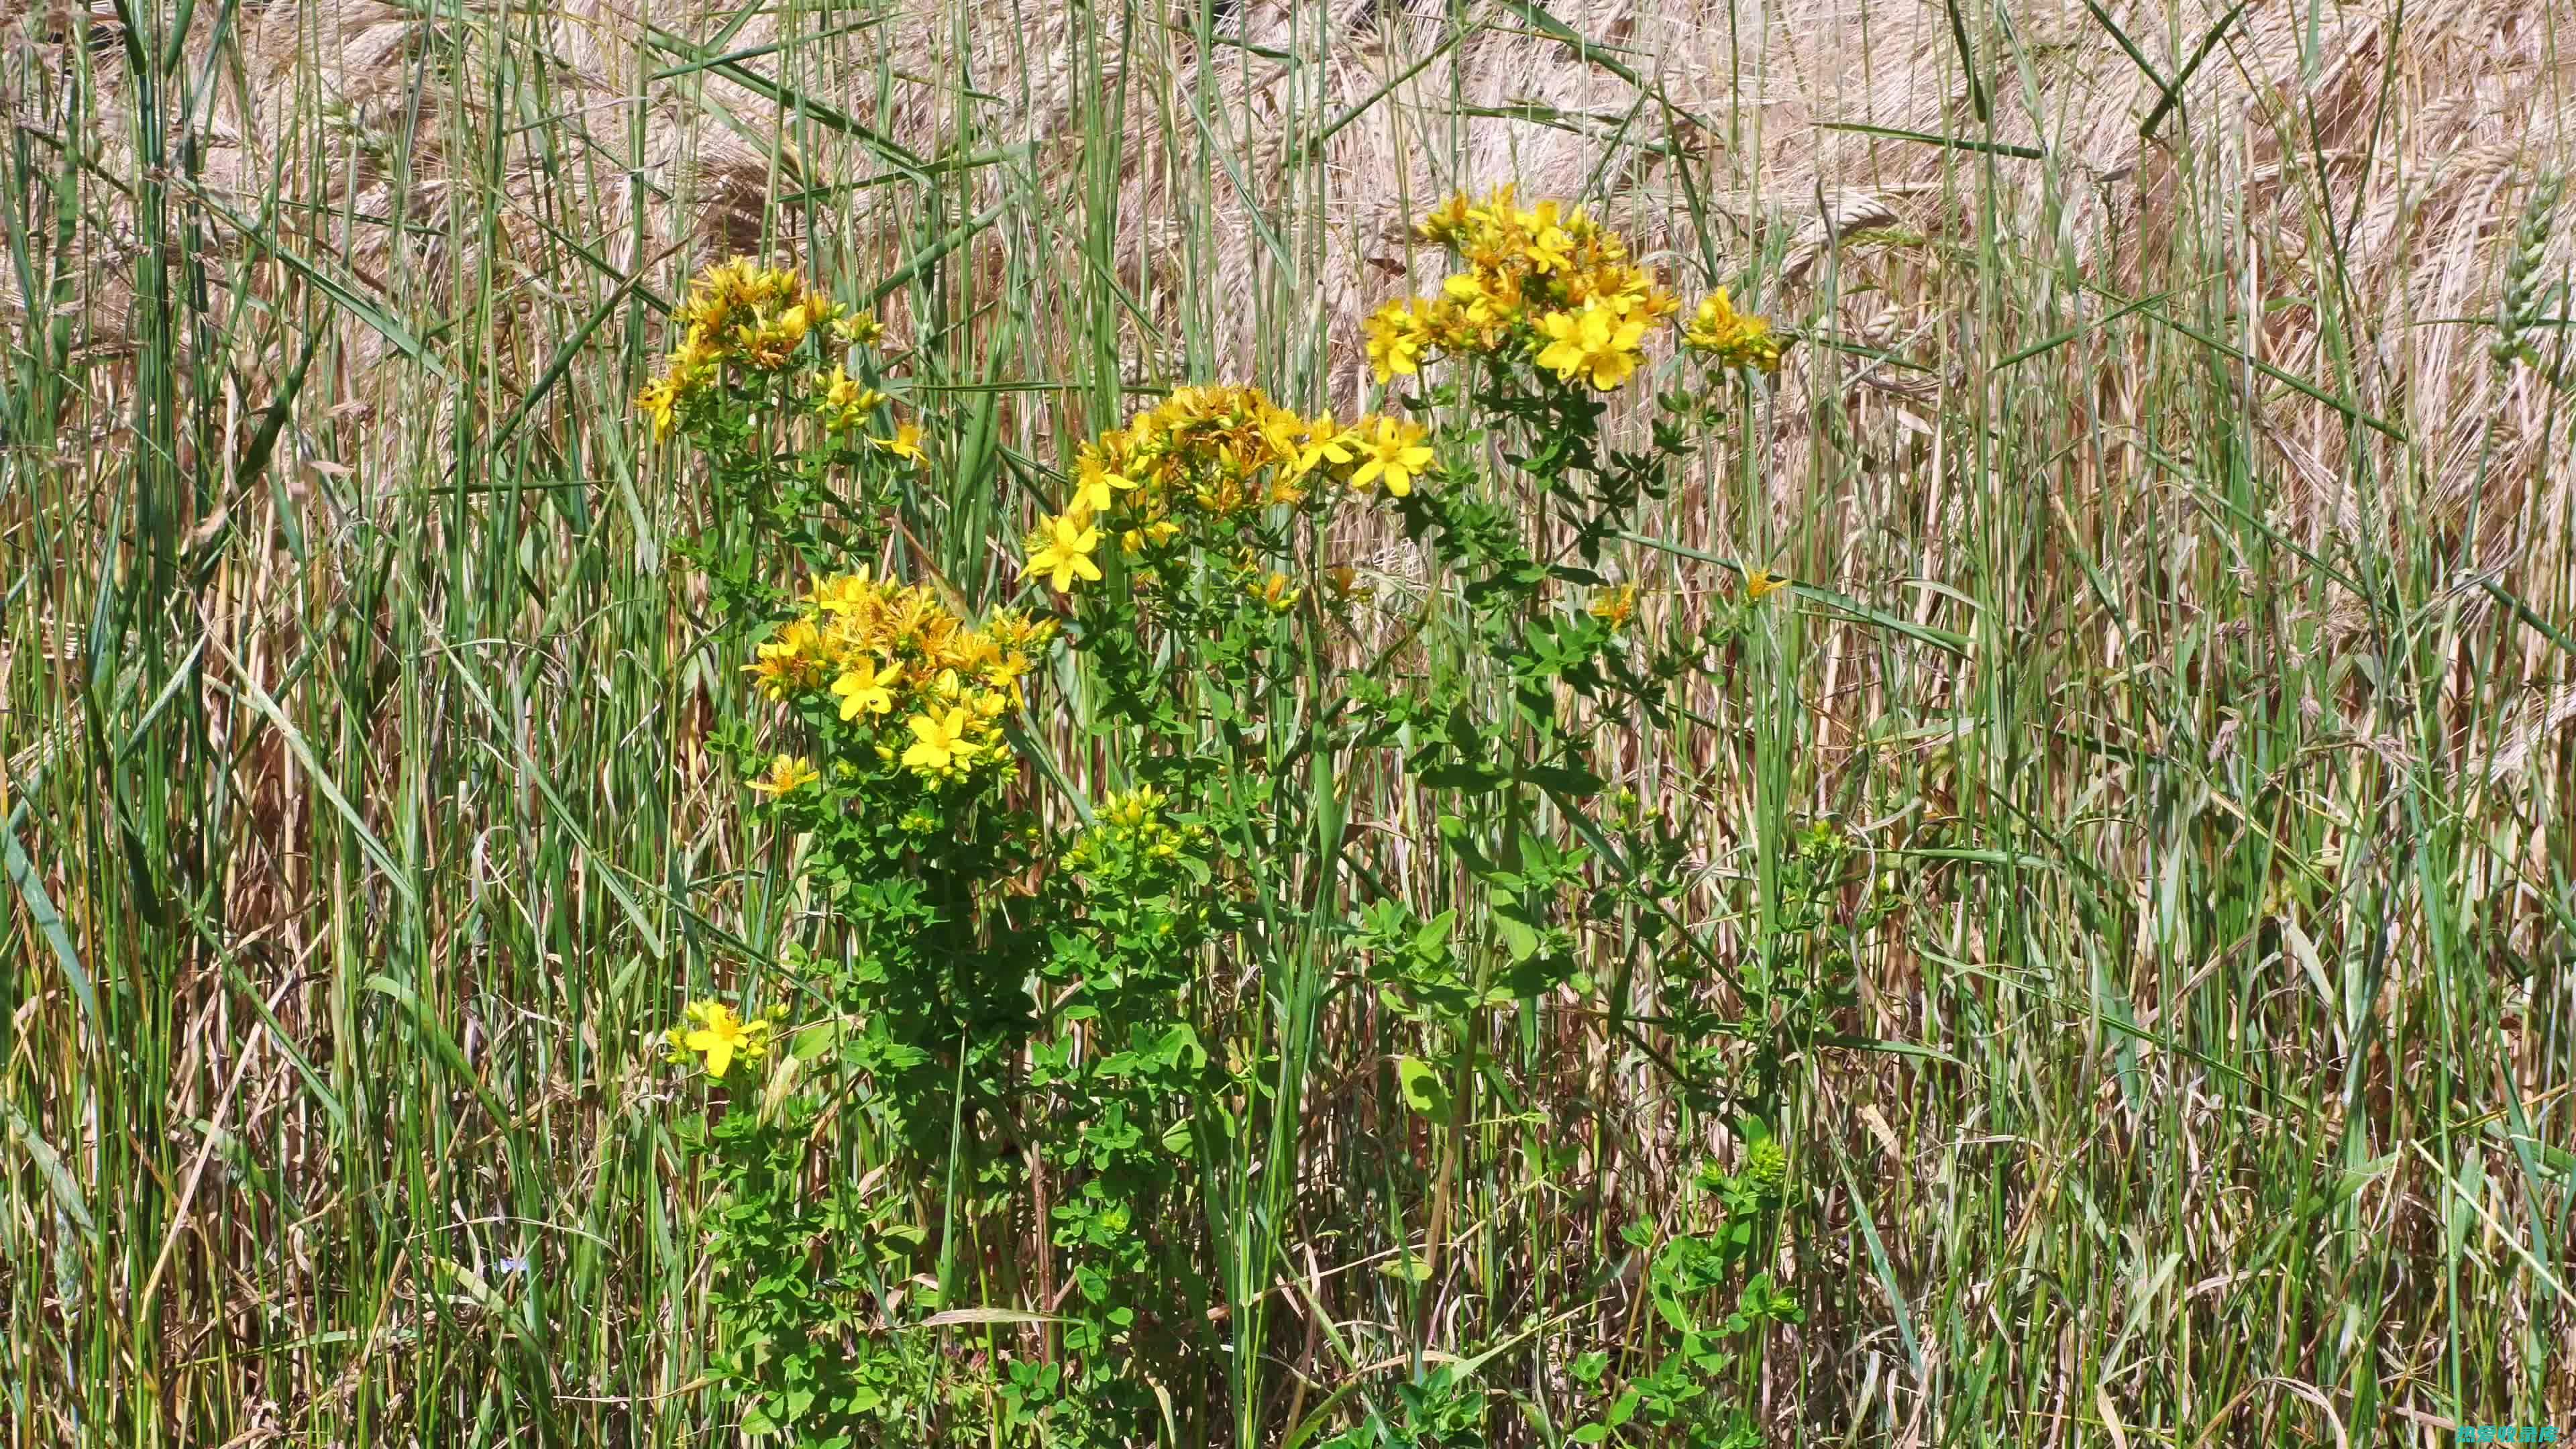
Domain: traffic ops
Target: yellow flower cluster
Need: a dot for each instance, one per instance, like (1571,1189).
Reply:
(888,654)
(713,1032)
(1736,339)
(1273,590)
(786,775)
(1132,820)
(1554,284)
(1212,453)
(756,318)
(1614,608)
(845,402)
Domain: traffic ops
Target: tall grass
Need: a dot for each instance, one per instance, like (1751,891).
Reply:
(2205,697)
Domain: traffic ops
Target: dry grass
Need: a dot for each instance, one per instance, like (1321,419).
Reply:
(2250,1114)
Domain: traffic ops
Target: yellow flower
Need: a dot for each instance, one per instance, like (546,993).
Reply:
(1002,670)
(1629,291)
(697,356)
(1274,592)
(1395,454)
(1063,548)
(1134,540)
(1395,340)
(847,594)
(905,444)
(1616,607)
(860,639)
(1096,485)
(1498,210)
(1278,431)
(787,661)
(846,401)
(770,342)
(787,774)
(1596,345)
(1132,809)
(937,637)
(706,318)
(1758,582)
(939,741)
(860,329)
(1548,244)
(1737,339)
(1326,443)
(864,687)
(719,1037)
(659,402)
(1447,222)
(1485,299)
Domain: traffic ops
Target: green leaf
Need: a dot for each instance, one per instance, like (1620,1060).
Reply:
(810,1042)
(1623,1410)
(48,920)
(1675,1314)
(441,1044)
(1181,1046)
(1468,779)
(1423,1090)
(1564,780)
(1434,935)
(50,1166)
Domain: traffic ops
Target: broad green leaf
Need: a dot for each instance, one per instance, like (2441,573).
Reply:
(1423,1090)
